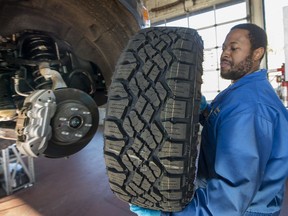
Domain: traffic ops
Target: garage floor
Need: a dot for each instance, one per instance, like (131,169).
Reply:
(74,186)
(68,187)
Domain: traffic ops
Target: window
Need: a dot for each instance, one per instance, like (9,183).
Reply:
(275,32)
(183,22)
(213,24)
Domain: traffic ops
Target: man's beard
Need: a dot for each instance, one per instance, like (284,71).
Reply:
(239,70)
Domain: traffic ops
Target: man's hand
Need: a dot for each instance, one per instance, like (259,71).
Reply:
(203,104)
(143,211)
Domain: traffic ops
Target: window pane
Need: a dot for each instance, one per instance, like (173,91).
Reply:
(223,30)
(163,25)
(183,22)
(208,36)
(210,59)
(202,20)
(210,84)
(275,32)
(236,11)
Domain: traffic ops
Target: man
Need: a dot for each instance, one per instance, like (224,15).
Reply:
(244,148)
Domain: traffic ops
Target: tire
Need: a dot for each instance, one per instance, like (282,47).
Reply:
(151,126)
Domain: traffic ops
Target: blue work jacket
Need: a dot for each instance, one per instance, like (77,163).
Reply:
(244,152)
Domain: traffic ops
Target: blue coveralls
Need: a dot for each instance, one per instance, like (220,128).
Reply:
(244,152)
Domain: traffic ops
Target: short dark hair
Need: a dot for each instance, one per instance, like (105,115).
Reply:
(257,35)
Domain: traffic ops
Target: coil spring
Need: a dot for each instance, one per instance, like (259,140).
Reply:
(41,48)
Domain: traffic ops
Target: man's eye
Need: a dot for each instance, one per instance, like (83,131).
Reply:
(234,48)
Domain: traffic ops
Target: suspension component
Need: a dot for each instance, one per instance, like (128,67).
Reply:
(41,48)
(47,118)
(48,73)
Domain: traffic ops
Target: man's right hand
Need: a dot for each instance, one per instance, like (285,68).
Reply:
(144,211)
(203,104)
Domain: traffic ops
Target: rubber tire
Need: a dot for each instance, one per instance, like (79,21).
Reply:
(151,127)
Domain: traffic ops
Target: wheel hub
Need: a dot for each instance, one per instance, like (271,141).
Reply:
(72,121)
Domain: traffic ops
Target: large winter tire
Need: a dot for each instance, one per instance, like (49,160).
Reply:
(151,126)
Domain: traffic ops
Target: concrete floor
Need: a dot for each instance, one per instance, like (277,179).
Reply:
(71,187)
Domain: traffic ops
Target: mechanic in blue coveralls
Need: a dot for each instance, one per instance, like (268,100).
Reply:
(244,153)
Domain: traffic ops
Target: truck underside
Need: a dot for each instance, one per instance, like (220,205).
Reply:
(56,64)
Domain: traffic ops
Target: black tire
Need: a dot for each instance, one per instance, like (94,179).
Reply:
(151,126)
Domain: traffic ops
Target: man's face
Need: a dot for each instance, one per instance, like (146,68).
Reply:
(236,58)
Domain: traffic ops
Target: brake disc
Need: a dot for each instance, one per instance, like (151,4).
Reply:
(74,123)
(56,123)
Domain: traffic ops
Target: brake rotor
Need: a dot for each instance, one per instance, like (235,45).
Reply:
(74,123)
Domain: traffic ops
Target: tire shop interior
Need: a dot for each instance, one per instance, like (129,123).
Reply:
(78,184)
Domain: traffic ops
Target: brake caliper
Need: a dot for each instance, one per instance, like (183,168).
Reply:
(33,124)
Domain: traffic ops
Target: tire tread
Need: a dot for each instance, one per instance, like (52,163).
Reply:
(151,127)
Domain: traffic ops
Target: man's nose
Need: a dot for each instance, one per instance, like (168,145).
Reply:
(225,53)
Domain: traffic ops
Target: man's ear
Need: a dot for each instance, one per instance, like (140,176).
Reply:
(258,53)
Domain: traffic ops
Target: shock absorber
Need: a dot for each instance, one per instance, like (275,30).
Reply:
(39,48)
